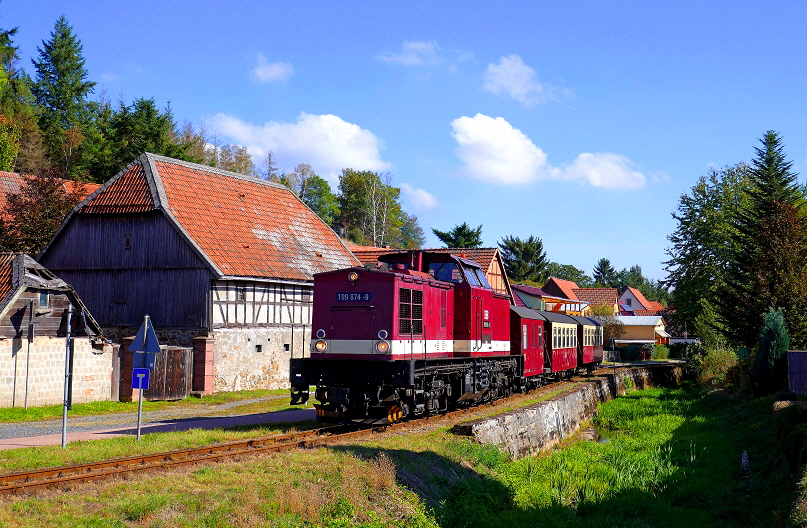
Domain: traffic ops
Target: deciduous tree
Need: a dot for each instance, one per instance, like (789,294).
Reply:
(369,207)
(34,213)
(569,272)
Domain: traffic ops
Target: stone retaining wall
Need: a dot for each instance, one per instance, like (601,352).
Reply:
(529,430)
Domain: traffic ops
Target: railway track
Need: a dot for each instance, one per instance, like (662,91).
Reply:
(34,480)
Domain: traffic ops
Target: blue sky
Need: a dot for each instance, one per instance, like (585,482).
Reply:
(581,123)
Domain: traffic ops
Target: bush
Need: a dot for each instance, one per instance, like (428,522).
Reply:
(713,366)
(630,352)
(660,352)
(678,350)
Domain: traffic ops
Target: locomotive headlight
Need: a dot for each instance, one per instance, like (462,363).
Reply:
(352,276)
(382,347)
(321,345)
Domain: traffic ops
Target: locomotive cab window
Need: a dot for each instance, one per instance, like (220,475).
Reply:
(471,276)
(445,271)
(482,279)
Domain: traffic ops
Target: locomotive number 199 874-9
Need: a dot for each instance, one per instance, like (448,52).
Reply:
(353,296)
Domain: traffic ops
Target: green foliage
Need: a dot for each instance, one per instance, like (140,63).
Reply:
(660,352)
(316,193)
(770,261)
(411,235)
(460,236)
(604,274)
(61,88)
(35,213)
(10,136)
(704,246)
(713,366)
(369,207)
(770,370)
(569,272)
(524,260)
(652,289)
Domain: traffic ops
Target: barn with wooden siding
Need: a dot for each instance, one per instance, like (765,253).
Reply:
(219,260)
(33,327)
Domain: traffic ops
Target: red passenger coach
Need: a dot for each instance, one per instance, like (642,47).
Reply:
(562,347)
(527,332)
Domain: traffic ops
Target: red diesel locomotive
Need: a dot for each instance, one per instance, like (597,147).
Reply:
(421,332)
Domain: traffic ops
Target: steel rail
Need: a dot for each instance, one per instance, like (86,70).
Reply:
(12,483)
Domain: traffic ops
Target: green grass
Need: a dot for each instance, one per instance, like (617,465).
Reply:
(672,459)
(50,412)
(12,460)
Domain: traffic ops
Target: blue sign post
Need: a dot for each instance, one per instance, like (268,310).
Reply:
(145,348)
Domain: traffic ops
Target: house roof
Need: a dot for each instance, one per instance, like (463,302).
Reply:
(639,320)
(607,296)
(561,288)
(12,182)
(656,306)
(239,225)
(530,290)
(639,297)
(19,271)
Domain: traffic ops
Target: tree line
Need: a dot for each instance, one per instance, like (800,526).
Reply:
(738,260)
(51,128)
(526,262)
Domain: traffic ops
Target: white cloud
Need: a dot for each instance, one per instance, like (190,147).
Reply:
(419,198)
(272,72)
(326,142)
(425,53)
(510,77)
(495,151)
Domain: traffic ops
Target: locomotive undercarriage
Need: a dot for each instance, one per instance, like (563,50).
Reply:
(387,391)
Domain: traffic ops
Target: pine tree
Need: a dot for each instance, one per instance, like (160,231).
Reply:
(604,274)
(770,369)
(61,88)
(460,236)
(524,260)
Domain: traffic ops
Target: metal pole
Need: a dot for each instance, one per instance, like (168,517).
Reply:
(66,375)
(28,354)
(139,404)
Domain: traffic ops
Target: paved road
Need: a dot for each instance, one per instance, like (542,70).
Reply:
(29,434)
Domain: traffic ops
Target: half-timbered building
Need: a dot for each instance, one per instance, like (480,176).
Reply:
(220,261)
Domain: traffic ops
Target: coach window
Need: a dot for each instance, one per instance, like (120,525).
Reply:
(523,337)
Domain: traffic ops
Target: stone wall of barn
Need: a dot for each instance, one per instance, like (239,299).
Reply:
(257,357)
(92,371)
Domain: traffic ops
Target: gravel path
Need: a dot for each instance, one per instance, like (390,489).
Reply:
(112,421)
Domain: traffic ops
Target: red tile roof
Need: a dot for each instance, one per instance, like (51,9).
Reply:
(128,193)
(607,296)
(655,305)
(6,274)
(12,182)
(639,297)
(241,226)
(561,288)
